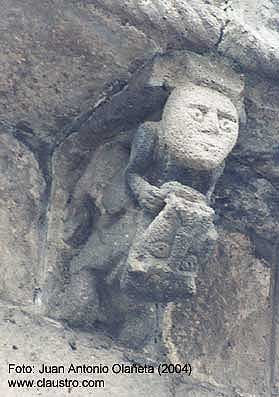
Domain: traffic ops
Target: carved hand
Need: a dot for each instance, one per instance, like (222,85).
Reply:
(182,191)
(152,199)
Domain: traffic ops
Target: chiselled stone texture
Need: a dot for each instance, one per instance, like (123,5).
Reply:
(99,232)
(59,58)
(225,329)
(251,35)
(248,190)
(118,212)
(55,55)
(92,216)
(163,261)
(200,125)
(172,23)
(36,341)
(21,226)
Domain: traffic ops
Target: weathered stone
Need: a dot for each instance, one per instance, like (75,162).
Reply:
(32,340)
(258,141)
(174,24)
(251,35)
(56,55)
(164,258)
(92,222)
(192,391)
(81,306)
(224,331)
(21,226)
(81,80)
(198,129)
(59,59)
(200,126)
(247,194)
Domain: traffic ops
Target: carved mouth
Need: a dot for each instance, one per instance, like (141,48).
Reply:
(207,132)
(207,145)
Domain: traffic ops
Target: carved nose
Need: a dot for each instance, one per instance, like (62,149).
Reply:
(211,123)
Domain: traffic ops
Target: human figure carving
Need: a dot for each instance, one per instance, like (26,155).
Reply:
(153,252)
(172,171)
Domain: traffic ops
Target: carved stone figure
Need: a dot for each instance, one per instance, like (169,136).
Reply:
(134,253)
(172,171)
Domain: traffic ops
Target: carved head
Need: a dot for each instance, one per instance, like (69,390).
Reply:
(200,126)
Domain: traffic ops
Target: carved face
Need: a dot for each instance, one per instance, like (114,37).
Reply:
(200,126)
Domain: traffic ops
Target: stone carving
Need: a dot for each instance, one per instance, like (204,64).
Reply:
(172,171)
(163,259)
(200,126)
(138,225)
(21,192)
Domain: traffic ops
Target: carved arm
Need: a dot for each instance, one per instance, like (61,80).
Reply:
(147,195)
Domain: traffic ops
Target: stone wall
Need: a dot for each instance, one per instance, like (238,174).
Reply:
(77,81)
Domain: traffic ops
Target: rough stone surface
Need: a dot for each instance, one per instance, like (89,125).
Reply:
(80,82)
(28,338)
(22,188)
(59,58)
(225,330)
(251,35)
(208,142)
(163,260)
(48,71)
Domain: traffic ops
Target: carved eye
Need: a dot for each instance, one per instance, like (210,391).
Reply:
(160,249)
(197,114)
(226,124)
